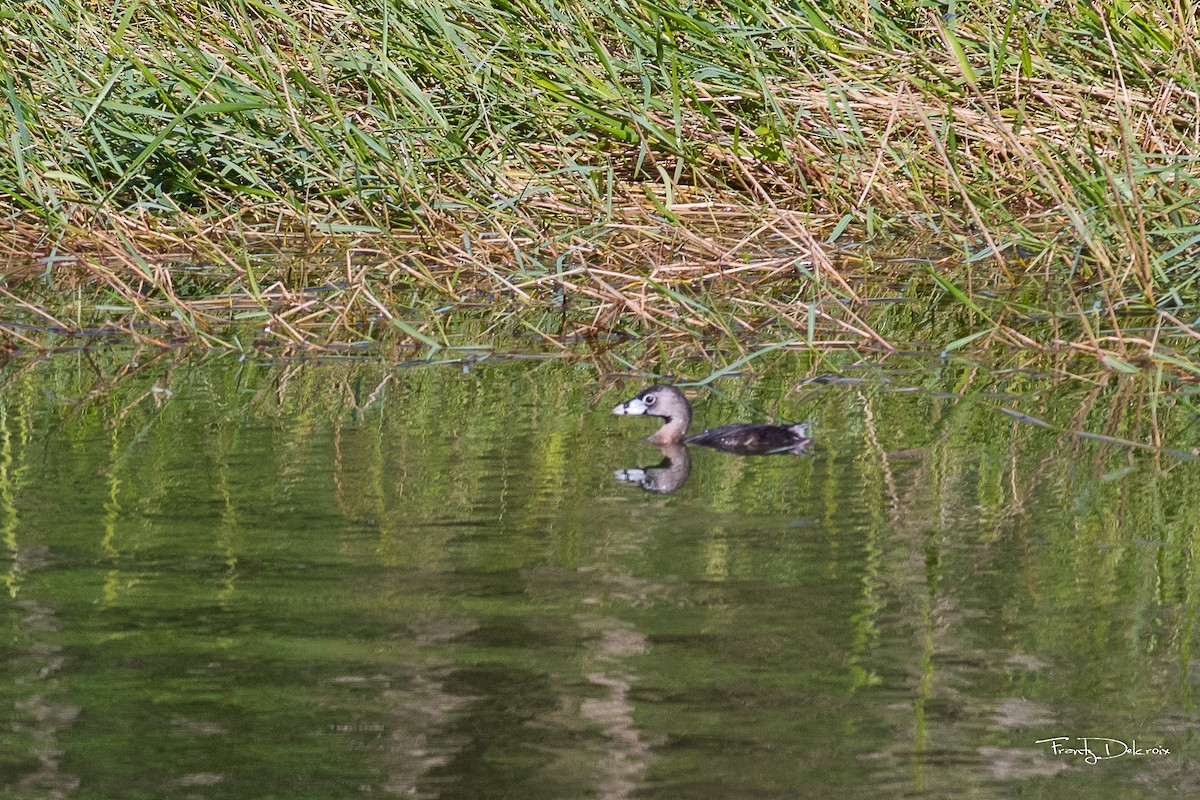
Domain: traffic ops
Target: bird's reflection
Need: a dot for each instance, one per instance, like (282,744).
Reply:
(666,476)
(673,471)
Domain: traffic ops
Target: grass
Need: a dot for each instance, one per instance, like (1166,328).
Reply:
(1024,174)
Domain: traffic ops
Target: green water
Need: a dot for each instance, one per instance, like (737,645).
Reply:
(343,579)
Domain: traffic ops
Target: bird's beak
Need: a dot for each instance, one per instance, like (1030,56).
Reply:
(633,407)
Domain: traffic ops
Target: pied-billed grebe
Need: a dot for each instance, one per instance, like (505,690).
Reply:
(741,439)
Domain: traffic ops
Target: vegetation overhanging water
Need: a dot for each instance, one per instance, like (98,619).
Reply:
(688,170)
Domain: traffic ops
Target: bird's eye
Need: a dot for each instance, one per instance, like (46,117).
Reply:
(649,399)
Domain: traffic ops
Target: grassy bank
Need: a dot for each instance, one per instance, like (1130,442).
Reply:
(608,168)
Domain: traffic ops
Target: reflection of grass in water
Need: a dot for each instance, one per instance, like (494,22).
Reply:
(432,439)
(615,156)
(461,514)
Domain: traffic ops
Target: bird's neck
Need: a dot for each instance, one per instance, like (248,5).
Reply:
(672,431)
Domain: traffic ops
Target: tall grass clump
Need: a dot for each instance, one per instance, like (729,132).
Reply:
(1049,143)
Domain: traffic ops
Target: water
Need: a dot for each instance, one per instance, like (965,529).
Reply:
(329,580)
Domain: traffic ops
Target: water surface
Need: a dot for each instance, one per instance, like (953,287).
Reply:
(326,580)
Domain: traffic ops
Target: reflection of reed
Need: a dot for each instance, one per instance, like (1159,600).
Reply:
(627,753)
(38,716)
(418,715)
(32,665)
(8,511)
(1044,475)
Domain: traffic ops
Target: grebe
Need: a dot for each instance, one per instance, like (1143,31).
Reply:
(742,439)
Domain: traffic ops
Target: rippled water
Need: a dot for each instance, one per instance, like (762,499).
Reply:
(332,580)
